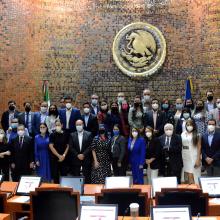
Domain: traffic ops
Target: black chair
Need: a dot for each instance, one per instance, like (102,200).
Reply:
(54,204)
(124,197)
(180,196)
(3,201)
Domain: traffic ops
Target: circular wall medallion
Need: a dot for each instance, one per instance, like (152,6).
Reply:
(139,49)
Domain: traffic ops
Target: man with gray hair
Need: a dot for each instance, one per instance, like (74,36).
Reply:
(171,145)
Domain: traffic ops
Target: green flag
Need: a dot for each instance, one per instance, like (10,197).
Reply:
(46,95)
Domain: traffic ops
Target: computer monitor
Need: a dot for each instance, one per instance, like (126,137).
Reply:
(77,183)
(99,212)
(27,184)
(171,212)
(163,182)
(117,182)
(210,185)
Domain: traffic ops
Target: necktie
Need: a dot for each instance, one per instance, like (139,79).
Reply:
(167,142)
(27,120)
(20,142)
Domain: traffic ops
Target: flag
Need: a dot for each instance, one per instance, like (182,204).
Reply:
(188,88)
(46,96)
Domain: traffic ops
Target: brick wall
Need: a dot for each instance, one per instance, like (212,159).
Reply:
(69,43)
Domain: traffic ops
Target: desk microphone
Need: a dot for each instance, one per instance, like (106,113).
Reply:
(125,212)
(198,216)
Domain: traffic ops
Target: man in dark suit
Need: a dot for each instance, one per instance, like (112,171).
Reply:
(94,108)
(80,151)
(69,116)
(171,145)
(211,149)
(90,121)
(8,115)
(210,104)
(27,118)
(155,118)
(22,154)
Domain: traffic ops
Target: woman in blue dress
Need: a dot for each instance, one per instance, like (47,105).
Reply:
(42,154)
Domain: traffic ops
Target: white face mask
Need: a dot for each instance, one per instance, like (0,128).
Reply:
(43,109)
(2,136)
(211,128)
(169,133)
(58,129)
(121,99)
(86,110)
(155,106)
(79,128)
(134,134)
(104,107)
(148,134)
(146,98)
(21,133)
(218,105)
(94,102)
(68,105)
(186,115)
(189,128)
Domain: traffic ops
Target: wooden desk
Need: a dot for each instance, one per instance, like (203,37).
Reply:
(144,189)
(214,209)
(91,189)
(7,186)
(4,216)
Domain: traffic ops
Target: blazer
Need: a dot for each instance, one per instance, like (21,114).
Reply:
(36,123)
(212,151)
(118,148)
(5,119)
(21,119)
(75,115)
(148,121)
(74,148)
(175,151)
(92,125)
(153,150)
(214,114)
(22,156)
(92,110)
(206,106)
(137,154)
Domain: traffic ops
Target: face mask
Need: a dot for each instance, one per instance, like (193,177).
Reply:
(2,136)
(120,99)
(189,128)
(116,132)
(186,115)
(104,107)
(211,128)
(218,105)
(124,106)
(86,110)
(179,106)
(134,134)
(27,109)
(43,109)
(11,107)
(155,106)
(94,102)
(79,128)
(136,104)
(58,129)
(68,105)
(21,133)
(148,134)
(114,109)
(146,98)
(199,108)
(14,125)
(101,131)
(43,130)
(190,106)
(210,98)
(169,133)
(165,106)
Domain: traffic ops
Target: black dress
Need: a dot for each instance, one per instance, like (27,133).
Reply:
(102,150)
(4,162)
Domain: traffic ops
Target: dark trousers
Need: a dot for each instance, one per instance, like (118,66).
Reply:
(17,173)
(176,173)
(58,169)
(118,171)
(86,171)
(4,170)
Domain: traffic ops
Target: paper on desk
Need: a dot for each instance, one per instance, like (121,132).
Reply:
(22,199)
(205,218)
(215,200)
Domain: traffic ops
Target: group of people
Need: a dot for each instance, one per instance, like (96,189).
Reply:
(167,139)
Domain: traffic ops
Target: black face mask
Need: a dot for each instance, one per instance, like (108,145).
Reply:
(11,107)
(137,104)
(114,109)
(52,112)
(27,109)
(190,106)
(101,131)
(210,98)
(199,108)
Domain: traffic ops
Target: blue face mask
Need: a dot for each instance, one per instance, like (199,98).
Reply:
(116,132)
(14,125)
(165,106)
(179,106)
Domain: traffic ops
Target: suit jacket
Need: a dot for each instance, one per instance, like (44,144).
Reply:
(36,123)
(92,110)
(74,148)
(148,121)
(119,147)
(137,154)
(214,114)
(5,119)
(75,115)
(21,119)
(206,106)
(22,156)
(175,151)
(92,125)
(212,151)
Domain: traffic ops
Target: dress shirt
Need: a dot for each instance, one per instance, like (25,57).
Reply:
(68,114)
(86,118)
(80,138)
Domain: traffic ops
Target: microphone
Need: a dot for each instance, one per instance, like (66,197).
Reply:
(198,216)
(125,212)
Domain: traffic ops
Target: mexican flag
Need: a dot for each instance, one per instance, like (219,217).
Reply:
(45,89)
